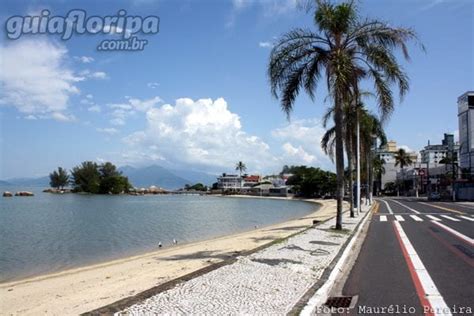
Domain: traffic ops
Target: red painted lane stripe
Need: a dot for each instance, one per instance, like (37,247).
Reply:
(453,249)
(416,281)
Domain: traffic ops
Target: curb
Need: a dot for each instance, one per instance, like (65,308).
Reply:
(319,292)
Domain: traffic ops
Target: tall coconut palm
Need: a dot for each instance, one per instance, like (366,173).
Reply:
(343,49)
(370,130)
(241,167)
(402,159)
(378,170)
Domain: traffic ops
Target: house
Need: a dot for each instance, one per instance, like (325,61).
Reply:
(230,182)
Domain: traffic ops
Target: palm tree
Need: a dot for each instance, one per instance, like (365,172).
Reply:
(241,167)
(370,129)
(378,170)
(344,49)
(402,159)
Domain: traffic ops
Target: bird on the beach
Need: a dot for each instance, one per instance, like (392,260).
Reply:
(159,245)
(175,241)
(256,226)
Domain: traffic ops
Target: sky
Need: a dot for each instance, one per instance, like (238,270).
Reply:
(198,97)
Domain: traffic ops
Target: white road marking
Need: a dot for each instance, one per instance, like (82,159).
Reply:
(433,218)
(450,218)
(383,218)
(399,218)
(468,218)
(432,294)
(388,207)
(456,233)
(416,218)
(414,211)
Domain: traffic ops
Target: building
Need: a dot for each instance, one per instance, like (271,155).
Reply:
(434,154)
(466,131)
(230,182)
(388,153)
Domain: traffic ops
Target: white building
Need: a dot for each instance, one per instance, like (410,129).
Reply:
(387,153)
(230,182)
(466,130)
(434,154)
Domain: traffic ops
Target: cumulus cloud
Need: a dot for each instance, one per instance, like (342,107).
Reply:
(84,59)
(62,117)
(87,74)
(94,108)
(35,77)
(120,111)
(302,143)
(203,132)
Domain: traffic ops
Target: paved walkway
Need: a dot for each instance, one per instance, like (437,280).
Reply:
(270,281)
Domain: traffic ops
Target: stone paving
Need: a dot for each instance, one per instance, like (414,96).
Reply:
(270,281)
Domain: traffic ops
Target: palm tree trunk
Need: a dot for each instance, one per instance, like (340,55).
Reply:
(350,163)
(338,119)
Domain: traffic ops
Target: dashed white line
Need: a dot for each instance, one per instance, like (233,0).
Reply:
(450,218)
(383,218)
(433,218)
(416,218)
(399,218)
(414,211)
(430,290)
(388,207)
(455,233)
(468,218)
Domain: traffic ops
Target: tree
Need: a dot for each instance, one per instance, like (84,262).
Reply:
(379,170)
(86,177)
(312,182)
(343,50)
(402,159)
(241,167)
(59,179)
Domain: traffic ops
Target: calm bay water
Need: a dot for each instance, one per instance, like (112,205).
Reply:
(48,233)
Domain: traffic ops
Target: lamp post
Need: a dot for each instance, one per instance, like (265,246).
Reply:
(358,161)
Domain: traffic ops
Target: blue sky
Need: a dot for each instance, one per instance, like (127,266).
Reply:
(197,97)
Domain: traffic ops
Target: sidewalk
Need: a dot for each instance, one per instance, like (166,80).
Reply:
(270,281)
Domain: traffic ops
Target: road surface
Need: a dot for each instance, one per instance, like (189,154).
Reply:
(417,258)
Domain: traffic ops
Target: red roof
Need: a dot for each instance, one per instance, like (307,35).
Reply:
(252,178)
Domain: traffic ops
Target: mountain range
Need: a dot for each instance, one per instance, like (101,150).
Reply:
(138,177)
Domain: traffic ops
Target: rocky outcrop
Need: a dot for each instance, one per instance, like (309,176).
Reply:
(24,193)
(7,194)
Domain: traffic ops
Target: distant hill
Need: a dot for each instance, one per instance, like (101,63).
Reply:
(153,175)
(28,182)
(139,177)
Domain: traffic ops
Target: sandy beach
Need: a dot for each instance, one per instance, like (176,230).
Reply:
(84,289)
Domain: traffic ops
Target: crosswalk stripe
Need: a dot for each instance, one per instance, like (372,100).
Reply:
(416,218)
(399,218)
(433,218)
(383,218)
(414,211)
(450,218)
(456,233)
(468,218)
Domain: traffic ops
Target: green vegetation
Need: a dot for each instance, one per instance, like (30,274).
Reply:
(343,50)
(90,177)
(311,182)
(195,187)
(59,179)
(241,167)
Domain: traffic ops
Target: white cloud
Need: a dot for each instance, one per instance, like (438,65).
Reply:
(62,117)
(30,117)
(84,59)
(265,44)
(94,108)
(107,130)
(87,74)
(203,132)
(302,143)
(34,76)
(89,96)
(123,110)
(153,85)
(86,102)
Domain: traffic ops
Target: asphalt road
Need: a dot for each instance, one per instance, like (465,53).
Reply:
(418,258)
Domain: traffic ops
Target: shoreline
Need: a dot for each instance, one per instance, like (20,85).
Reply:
(163,250)
(85,288)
